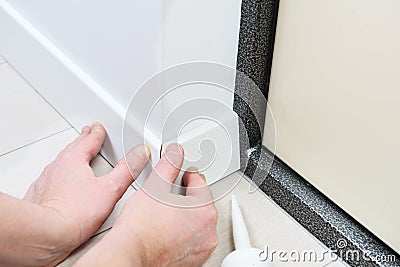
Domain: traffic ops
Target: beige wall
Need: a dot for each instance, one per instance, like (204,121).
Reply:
(335,96)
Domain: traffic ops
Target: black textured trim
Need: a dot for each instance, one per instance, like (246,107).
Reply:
(256,40)
(315,212)
(324,219)
(254,59)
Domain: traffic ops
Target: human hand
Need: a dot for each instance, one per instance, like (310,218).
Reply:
(159,228)
(79,200)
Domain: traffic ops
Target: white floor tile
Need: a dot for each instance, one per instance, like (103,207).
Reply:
(25,116)
(268,225)
(21,167)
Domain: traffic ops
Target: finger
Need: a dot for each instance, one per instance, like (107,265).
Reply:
(167,169)
(86,130)
(128,169)
(88,144)
(83,147)
(196,186)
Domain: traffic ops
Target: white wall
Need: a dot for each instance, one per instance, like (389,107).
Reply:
(117,43)
(206,30)
(335,97)
(120,45)
(88,58)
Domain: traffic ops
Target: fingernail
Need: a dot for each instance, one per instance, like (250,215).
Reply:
(203,176)
(95,125)
(192,169)
(143,150)
(181,149)
(86,130)
(174,149)
(148,151)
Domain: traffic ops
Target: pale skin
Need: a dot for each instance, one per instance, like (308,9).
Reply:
(68,203)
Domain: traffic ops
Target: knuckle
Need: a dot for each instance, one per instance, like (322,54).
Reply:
(164,163)
(171,159)
(65,153)
(47,169)
(213,214)
(142,157)
(67,148)
(134,171)
(115,188)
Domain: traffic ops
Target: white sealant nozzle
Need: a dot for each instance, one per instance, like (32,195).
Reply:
(244,254)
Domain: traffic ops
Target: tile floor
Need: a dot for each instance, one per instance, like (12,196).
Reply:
(33,133)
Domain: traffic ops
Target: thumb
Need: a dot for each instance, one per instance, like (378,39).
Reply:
(127,169)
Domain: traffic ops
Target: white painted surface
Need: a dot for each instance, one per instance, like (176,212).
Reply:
(71,90)
(205,30)
(33,133)
(201,31)
(117,43)
(212,147)
(335,95)
(88,62)
(265,220)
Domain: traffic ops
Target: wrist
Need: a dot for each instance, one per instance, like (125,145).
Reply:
(59,233)
(115,249)
(30,234)
(129,246)
(50,242)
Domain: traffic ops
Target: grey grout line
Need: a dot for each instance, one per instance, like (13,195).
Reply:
(47,102)
(102,232)
(78,131)
(3,60)
(104,159)
(39,94)
(49,105)
(34,142)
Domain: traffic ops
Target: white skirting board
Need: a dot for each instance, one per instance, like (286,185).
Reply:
(81,100)
(73,93)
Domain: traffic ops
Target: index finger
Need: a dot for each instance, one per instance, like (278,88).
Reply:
(196,186)
(167,169)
